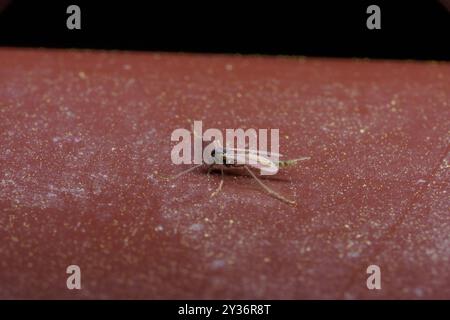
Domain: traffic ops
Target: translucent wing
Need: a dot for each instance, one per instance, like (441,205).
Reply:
(255,152)
(267,166)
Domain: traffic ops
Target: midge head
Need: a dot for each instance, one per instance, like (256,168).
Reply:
(218,155)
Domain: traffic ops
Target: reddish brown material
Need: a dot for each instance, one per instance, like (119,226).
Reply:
(85,138)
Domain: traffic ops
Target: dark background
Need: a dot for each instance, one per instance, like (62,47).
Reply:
(409,29)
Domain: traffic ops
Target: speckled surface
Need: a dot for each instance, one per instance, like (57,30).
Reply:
(85,137)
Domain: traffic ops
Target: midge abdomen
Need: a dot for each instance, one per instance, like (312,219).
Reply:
(287,163)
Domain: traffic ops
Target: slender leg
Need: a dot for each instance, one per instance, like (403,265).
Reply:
(220,185)
(268,190)
(185,171)
(211,166)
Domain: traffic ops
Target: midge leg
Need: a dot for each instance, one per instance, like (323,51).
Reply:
(268,190)
(210,167)
(185,171)
(220,185)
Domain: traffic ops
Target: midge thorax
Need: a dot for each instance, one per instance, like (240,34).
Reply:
(245,156)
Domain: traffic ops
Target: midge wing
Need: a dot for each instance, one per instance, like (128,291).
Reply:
(265,165)
(256,152)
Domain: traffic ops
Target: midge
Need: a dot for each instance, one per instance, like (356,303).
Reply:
(215,155)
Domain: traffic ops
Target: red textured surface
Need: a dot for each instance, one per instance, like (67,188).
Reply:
(85,136)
